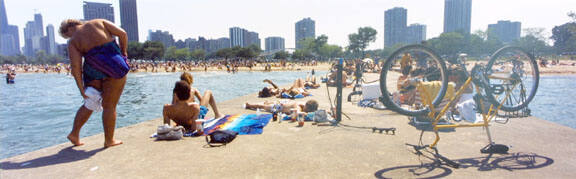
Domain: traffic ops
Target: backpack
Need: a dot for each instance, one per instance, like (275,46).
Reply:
(221,137)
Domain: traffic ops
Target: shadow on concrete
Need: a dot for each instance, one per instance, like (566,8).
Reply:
(65,155)
(437,169)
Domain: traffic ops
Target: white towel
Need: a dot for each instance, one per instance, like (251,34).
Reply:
(94,100)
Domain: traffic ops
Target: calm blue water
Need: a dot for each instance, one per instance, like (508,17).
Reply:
(556,100)
(38,110)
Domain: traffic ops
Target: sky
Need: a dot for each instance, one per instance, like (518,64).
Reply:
(334,18)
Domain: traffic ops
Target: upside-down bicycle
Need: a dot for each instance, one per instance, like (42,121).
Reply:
(416,82)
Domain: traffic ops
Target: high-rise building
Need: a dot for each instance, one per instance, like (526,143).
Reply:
(243,38)
(129,19)
(395,21)
(305,28)
(63,50)
(9,37)
(237,36)
(505,31)
(94,10)
(415,33)
(3,17)
(10,41)
(457,16)
(39,24)
(251,38)
(222,43)
(33,35)
(191,43)
(274,44)
(50,40)
(163,37)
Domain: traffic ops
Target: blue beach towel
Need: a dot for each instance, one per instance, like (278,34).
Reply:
(244,124)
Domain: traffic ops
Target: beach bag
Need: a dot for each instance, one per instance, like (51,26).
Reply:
(221,137)
(167,132)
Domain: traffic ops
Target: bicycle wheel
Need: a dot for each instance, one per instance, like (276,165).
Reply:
(513,77)
(403,71)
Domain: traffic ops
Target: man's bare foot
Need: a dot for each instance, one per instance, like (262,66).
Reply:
(218,116)
(112,144)
(75,140)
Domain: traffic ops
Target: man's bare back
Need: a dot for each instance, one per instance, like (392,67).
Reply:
(182,113)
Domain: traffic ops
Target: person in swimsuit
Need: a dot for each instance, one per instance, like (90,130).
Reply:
(104,69)
(181,111)
(285,106)
(205,100)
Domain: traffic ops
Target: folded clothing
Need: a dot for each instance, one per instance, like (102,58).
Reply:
(94,100)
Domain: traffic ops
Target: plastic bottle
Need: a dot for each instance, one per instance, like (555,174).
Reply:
(257,111)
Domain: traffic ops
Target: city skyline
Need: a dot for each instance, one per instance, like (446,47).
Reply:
(334,19)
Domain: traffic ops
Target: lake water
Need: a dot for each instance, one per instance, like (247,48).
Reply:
(38,110)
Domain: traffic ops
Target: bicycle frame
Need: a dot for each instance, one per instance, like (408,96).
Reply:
(492,112)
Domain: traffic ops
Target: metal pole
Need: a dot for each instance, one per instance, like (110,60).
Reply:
(339,91)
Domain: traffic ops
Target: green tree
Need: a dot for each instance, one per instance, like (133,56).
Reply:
(135,50)
(281,55)
(153,50)
(564,37)
(448,44)
(534,45)
(358,42)
(225,53)
(198,54)
(330,51)
(301,54)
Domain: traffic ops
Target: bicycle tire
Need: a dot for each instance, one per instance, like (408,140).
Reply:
(386,93)
(534,87)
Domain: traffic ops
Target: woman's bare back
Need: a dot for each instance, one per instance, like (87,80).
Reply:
(91,34)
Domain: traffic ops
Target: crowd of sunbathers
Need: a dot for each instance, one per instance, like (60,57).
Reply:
(185,110)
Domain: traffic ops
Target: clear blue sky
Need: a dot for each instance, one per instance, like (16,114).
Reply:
(335,18)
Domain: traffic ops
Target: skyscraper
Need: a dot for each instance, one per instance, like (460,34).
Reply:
(3,17)
(305,28)
(274,44)
(51,47)
(237,36)
(505,31)
(94,10)
(162,36)
(457,16)
(33,34)
(415,33)
(243,38)
(129,19)
(251,38)
(395,21)
(9,37)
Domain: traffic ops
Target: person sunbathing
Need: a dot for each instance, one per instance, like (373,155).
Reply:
(297,90)
(182,112)
(285,106)
(310,82)
(272,90)
(205,100)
